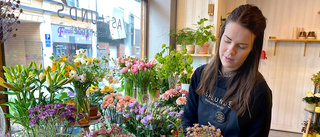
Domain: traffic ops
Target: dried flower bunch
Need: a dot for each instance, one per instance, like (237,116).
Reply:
(9,18)
(203,131)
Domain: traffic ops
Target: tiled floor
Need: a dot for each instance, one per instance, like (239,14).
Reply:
(277,133)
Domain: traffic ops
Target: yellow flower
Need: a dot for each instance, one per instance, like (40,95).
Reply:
(68,69)
(107,89)
(77,64)
(90,59)
(54,67)
(63,59)
(96,60)
(111,81)
(93,89)
(69,102)
(41,76)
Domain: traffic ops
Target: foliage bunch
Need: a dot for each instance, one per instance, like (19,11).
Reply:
(203,33)
(316,79)
(173,64)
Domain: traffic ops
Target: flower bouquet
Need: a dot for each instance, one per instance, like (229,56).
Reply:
(150,121)
(52,119)
(113,104)
(123,65)
(203,131)
(174,98)
(86,72)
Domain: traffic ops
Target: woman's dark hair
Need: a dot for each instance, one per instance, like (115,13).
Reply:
(250,17)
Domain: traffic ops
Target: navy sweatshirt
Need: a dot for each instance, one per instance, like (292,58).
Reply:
(206,108)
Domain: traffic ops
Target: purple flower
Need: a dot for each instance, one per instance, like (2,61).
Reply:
(43,115)
(156,104)
(141,110)
(39,107)
(66,114)
(30,115)
(32,110)
(52,112)
(80,115)
(147,119)
(131,105)
(127,115)
(49,106)
(138,117)
(58,106)
(71,94)
(136,110)
(71,120)
(179,114)
(72,108)
(33,121)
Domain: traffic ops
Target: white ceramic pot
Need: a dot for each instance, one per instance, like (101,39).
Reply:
(310,107)
(185,86)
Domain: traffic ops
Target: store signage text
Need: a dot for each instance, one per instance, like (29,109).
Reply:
(73,30)
(84,14)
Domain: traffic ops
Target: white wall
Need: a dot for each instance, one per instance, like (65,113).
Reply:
(289,73)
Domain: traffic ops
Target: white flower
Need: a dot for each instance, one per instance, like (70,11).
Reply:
(83,61)
(82,78)
(309,94)
(80,52)
(73,73)
(317,95)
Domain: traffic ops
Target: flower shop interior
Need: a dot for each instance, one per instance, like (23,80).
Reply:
(63,58)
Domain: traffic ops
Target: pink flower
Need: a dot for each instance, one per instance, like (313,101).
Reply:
(181,101)
(110,102)
(153,61)
(165,96)
(107,97)
(103,105)
(82,78)
(126,98)
(134,69)
(172,93)
(140,67)
(128,64)
(124,70)
(184,92)
(120,105)
(148,65)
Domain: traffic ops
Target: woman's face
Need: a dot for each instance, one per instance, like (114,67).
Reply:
(235,45)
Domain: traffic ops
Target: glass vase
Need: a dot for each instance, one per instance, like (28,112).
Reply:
(128,87)
(114,116)
(142,94)
(173,79)
(83,106)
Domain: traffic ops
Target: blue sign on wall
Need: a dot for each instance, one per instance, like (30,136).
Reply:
(48,40)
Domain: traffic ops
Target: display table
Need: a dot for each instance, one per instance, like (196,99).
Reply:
(86,127)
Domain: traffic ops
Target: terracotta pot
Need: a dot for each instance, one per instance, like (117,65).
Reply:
(190,49)
(203,49)
(179,48)
(94,110)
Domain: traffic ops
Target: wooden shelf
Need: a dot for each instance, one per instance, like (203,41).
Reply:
(203,55)
(303,40)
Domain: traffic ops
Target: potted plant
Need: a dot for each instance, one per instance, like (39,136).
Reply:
(185,77)
(202,35)
(310,100)
(185,39)
(311,130)
(316,81)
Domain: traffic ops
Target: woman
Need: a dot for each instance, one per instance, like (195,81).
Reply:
(230,92)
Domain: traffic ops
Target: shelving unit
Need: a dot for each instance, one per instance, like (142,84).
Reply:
(310,119)
(303,40)
(207,56)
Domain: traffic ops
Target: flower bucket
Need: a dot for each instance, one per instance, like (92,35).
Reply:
(82,105)
(185,86)
(190,49)
(142,94)
(310,107)
(154,95)
(203,49)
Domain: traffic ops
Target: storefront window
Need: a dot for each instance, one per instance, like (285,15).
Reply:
(101,27)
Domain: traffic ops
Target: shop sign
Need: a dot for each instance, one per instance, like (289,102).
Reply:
(84,13)
(48,40)
(73,30)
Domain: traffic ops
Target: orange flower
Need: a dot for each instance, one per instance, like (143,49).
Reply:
(63,59)
(53,67)
(77,64)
